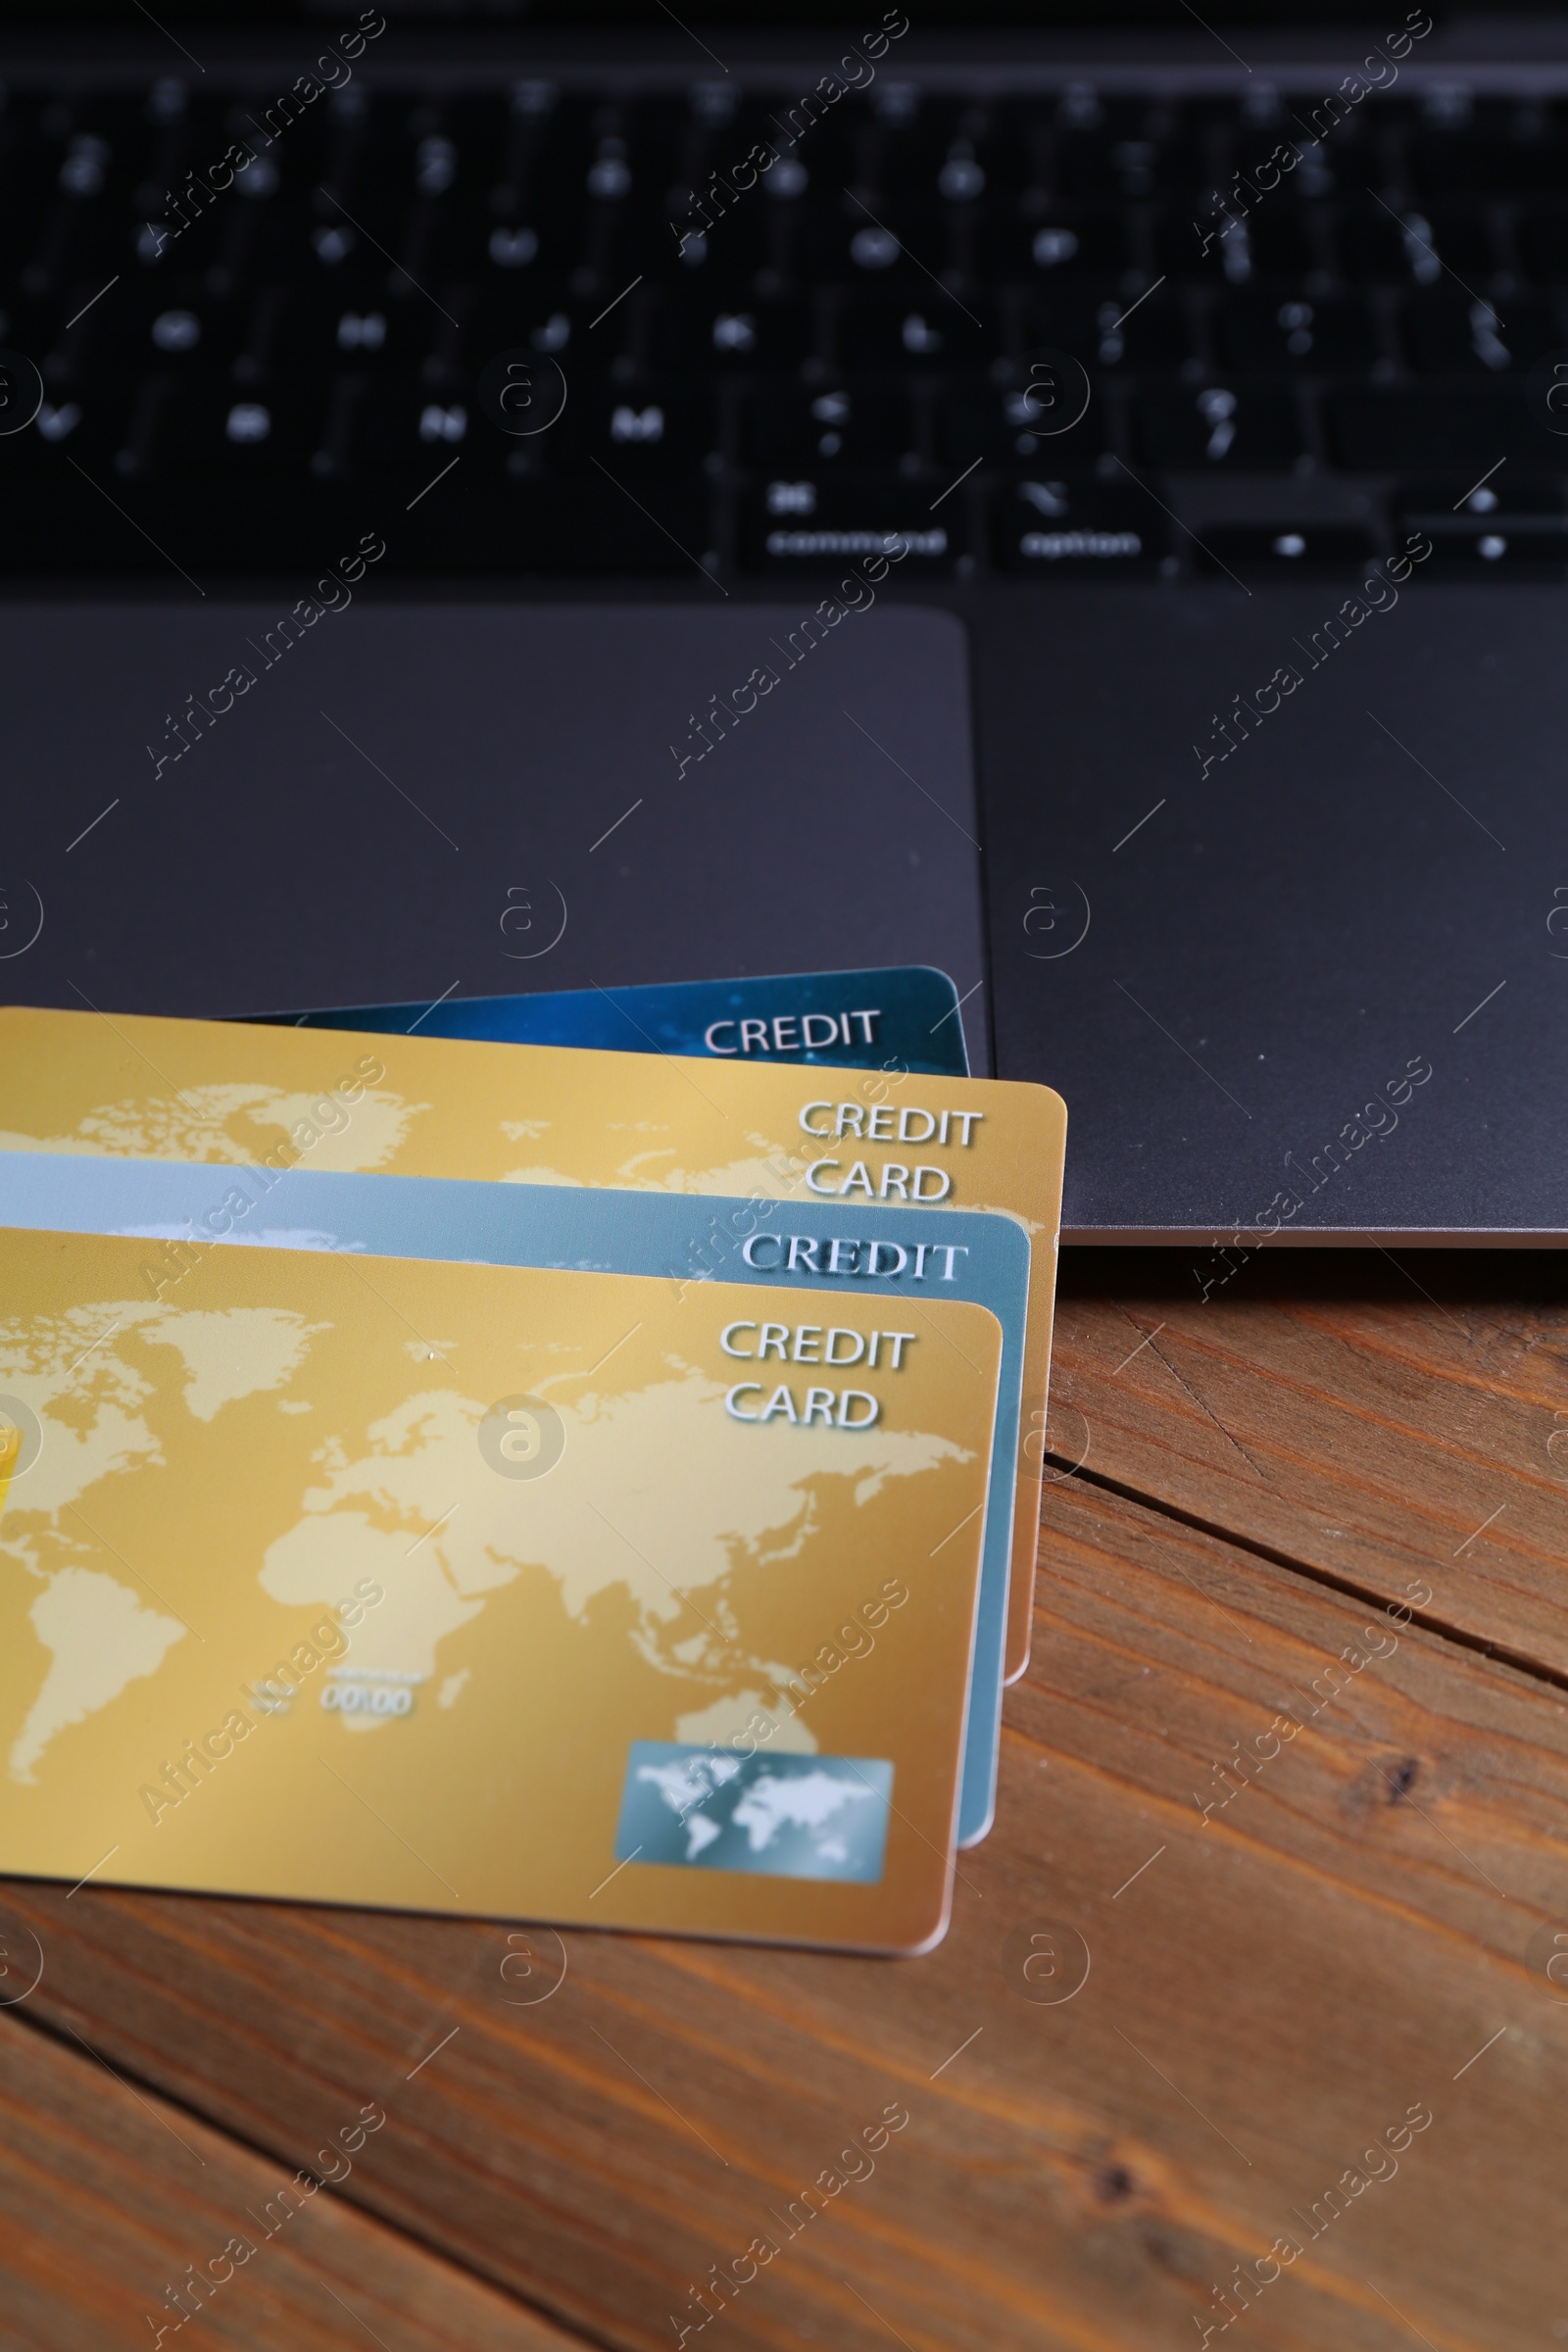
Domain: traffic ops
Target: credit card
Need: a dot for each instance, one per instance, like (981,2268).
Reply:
(486,1589)
(902,1017)
(132,1086)
(887,1252)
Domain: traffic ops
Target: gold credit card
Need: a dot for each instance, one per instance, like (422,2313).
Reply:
(538,1594)
(132,1086)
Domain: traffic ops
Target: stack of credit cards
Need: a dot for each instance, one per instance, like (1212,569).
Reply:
(602,1489)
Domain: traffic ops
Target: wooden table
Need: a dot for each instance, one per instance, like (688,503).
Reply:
(1308,1847)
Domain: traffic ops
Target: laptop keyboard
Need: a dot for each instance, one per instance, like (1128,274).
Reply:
(889,329)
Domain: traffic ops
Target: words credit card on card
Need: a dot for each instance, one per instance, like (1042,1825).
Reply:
(187,1209)
(485,1589)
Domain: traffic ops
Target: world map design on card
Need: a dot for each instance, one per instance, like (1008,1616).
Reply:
(687,1237)
(361,1580)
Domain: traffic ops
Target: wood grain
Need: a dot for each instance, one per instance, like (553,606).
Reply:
(1320,1405)
(1269,1988)
(110,2197)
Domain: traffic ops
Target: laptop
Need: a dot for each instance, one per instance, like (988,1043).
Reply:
(540,497)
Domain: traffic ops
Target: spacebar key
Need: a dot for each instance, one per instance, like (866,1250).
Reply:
(1438,430)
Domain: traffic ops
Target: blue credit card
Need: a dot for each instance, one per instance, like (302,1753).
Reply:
(904,1017)
(982,1255)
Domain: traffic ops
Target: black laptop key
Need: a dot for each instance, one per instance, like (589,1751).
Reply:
(1286,242)
(813,527)
(981,160)
(1381,243)
(544,142)
(535,315)
(613,204)
(1252,429)
(264,240)
(409,427)
(477,123)
(286,240)
(1084,171)
(86,328)
(699,238)
(917,332)
(73,238)
(1142,159)
(659,129)
(1272,549)
(828,428)
(1047,526)
(443,173)
(1453,333)
(1464,237)
(182,335)
(1141,331)
(1496,530)
(448,233)
(1262,333)
(1024,245)
(83,425)
(103,154)
(1464,430)
(1181,154)
(1017,424)
(690,329)
(205,425)
(514,246)
(348,326)
(865,240)
(930,150)
(1212,245)
(655,425)
(374,207)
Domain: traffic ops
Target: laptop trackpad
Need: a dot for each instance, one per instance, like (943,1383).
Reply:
(398,801)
